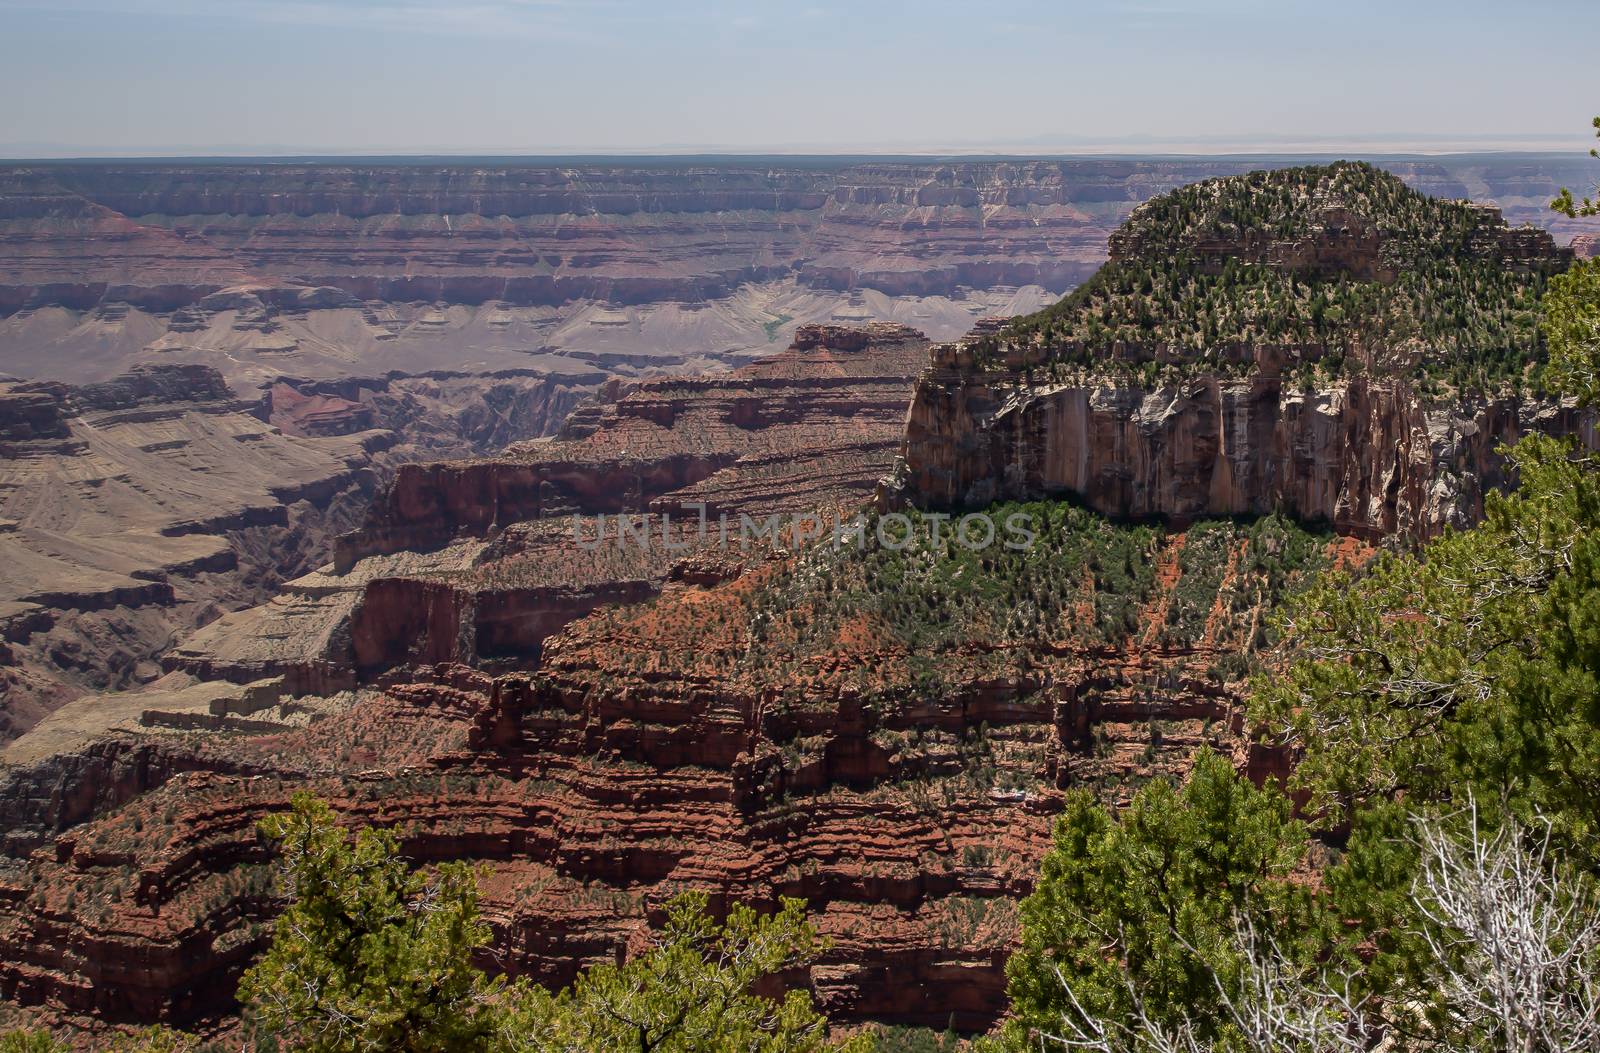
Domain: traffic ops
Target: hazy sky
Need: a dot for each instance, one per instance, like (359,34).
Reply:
(531,76)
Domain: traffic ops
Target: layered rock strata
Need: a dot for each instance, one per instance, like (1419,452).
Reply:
(479,561)
(672,744)
(334,270)
(1369,457)
(167,235)
(135,510)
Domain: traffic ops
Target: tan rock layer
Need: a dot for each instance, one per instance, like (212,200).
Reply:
(1370,457)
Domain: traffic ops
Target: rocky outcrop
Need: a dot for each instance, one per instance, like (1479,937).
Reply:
(416,622)
(312,413)
(32,412)
(838,396)
(154,385)
(1164,389)
(1369,457)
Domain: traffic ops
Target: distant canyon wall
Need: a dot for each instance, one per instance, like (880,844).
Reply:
(163,237)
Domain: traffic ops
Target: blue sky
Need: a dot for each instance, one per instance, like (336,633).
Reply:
(533,76)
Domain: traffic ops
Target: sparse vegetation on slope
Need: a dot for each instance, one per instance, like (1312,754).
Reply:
(1343,264)
(1083,580)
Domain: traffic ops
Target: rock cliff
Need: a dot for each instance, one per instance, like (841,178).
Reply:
(1163,389)
(1369,457)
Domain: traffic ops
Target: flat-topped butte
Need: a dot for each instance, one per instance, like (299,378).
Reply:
(1339,267)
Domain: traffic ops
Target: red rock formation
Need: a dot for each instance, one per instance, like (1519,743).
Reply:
(645,755)
(302,414)
(798,431)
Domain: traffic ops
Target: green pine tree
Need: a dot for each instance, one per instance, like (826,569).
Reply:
(692,991)
(1142,910)
(369,954)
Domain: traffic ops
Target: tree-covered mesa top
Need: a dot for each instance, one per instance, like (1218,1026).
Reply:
(1342,267)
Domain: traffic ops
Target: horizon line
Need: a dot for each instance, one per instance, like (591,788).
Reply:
(426,156)
(1031,147)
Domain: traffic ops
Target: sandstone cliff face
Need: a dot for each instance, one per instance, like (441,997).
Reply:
(1370,457)
(1052,404)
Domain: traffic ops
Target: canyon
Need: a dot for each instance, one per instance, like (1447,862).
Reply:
(365,501)
(334,269)
(600,725)
(138,509)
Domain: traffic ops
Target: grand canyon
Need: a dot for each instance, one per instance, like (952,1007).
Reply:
(307,472)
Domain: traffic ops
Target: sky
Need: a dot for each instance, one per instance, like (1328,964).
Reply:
(184,77)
